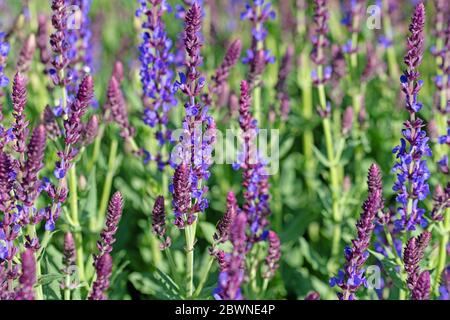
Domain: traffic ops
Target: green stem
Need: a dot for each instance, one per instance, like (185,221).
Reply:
(307,113)
(39,292)
(73,197)
(442,256)
(398,260)
(172,265)
(334,173)
(108,184)
(392,61)
(257,104)
(97,145)
(67,288)
(205,272)
(190,241)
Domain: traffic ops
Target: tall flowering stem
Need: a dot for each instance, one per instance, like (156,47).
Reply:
(412,171)
(196,146)
(320,76)
(156,74)
(351,277)
(441,51)
(255,175)
(258,13)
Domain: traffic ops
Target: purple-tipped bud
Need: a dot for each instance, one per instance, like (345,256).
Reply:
(223,227)
(159,217)
(103,270)
(42,40)
(313,296)
(27,279)
(181,195)
(117,107)
(193,26)
(273,255)
(422,289)
(375,184)
(412,255)
(118,72)
(85,92)
(26,54)
(51,126)
(229,61)
(69,256)
(107,236)
(257,66)
(347,120)
(19,99)
(319,39)
(33,164)
(415,42)
(6,182)
(73,124)
(245,119)
(285,69)
(441,202)
(90,130)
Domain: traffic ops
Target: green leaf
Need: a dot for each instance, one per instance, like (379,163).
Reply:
(208,230)
(90,205)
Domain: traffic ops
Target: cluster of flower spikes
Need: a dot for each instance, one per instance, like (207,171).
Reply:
(156,73)
(194,151)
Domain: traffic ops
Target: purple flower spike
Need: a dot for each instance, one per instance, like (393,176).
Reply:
(108,235)
(412,255)
(223,227)
(181,195)
(34,163)
(320,40)
(231,279)
(352,276)
(156,72)
(19,99)
(273,255)
(26,54)
(412,171)
(116,108)
(199,130)
(103,270)
(159,222)
(257,56)
(220,78)
(27,279)
(255,177)
(422,289)
(69,256)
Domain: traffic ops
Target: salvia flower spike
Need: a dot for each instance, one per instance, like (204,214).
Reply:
(351,277)
(232,276)
(103,269)
(412,171)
